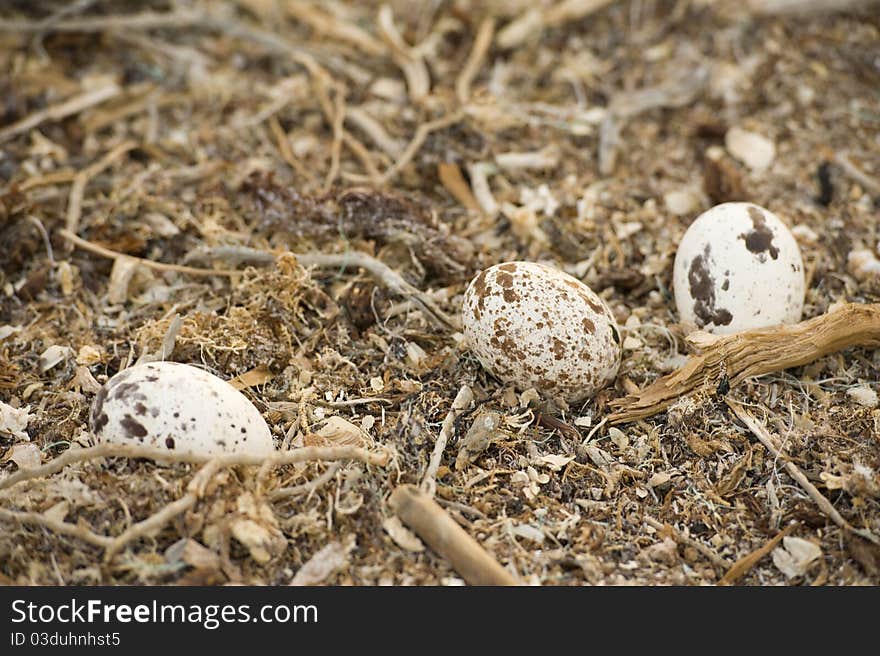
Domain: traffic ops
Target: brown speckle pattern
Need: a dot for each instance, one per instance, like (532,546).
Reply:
(536,326)
(738,267)
(144,405)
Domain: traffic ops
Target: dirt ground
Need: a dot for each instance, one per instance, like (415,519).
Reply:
(438,138)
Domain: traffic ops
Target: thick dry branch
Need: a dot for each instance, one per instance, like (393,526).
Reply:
(440,532)
(763,435)
(754,353)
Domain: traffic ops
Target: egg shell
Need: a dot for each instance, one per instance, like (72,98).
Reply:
(179,408)
(738,267)
(535,326)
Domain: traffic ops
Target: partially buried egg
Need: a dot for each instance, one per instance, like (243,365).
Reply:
(535,326)
(738,267)
(178,408)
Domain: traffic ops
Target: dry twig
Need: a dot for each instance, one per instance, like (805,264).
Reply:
(304,454)
(532,22)
(741,567)
(78,188)
(150,264)
(763,435)
(440,532)
(386,275)
(482,43)
(461,402)
(755,353)
(418,140)
(62,110)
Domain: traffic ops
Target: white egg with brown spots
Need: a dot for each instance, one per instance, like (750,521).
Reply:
(738,267)
(535,326)
(178,408)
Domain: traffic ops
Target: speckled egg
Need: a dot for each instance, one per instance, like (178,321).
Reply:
(738,267)
(535,326)
(178,407)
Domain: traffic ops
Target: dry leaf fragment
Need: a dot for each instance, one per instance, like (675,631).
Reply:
(481,434)
(257,529)
(14,421)
(337,431)
(752,149)
(252,378)
(529,532)
(402,536)
(53,356)
(554,462)
(326,562)
(57,512)
(192,553)
(863,395)
(26,456)
(88,355)
(795,556)
(121,274)
(83,380)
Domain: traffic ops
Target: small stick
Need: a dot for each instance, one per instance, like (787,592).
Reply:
(62,110)
(422,133)
(142,21)
(336,149)
(533,20)
(443,534)
(303,454)
(482,43)
(854,172)
(741,567)
(759,431)
(150,264)
(372,128)
(57,526)
(363,154)
(418,82)
(803,7)
(286,151)
(678,536)
(78,188)
(306,488)
(388,276)
(462,400)
(755,353)
(330,25)
(156,521)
